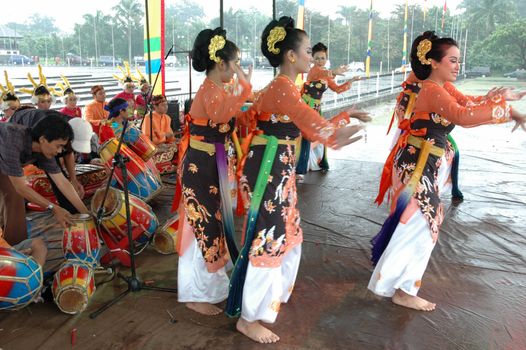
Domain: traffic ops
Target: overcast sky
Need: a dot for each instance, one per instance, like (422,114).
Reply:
(69,12)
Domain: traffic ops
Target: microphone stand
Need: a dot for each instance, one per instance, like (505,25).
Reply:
(133,282)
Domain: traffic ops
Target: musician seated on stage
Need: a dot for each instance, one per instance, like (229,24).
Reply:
(34,247)
(162,131)
(19,146)
(118,112)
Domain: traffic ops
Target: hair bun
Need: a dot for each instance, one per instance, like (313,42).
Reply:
(218,31)
(430,34)
(286,22)
(200,56)
(199,52)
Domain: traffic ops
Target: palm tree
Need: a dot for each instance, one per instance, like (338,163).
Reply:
(347,13)
(486,14)
(129,15)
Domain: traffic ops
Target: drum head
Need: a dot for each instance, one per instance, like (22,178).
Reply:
(110,205)
(81,217)
(72,300)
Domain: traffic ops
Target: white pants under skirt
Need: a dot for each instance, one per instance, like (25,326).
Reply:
(195,283)
(405,259)
(315,157)
(267,287)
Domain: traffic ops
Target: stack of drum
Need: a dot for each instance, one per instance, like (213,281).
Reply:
(144,183)
(74,282)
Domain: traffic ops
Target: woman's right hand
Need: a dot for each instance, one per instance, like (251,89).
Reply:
(64,218)
(360,115)
(344,135)
(241,75)
(341,70)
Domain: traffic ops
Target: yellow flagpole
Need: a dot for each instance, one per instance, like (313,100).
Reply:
(404,50)
(369,42)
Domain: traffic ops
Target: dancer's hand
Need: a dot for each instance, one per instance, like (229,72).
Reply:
(360,115)
(494,92)
(340,70)
(510,95)
(353,79)
(520,120)
(344,135)
(241,75)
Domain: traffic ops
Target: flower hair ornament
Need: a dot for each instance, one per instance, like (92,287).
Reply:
(421,51)
(127,76)
(39,89)
(8,93)
(216,43)
(276,35)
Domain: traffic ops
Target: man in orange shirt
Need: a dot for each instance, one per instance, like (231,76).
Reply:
(162,132)
(95,111)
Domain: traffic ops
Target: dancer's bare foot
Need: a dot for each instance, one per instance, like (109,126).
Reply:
(204,308)
(413,302)
(256,332)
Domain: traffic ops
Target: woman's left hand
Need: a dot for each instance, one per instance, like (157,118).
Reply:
(510,95)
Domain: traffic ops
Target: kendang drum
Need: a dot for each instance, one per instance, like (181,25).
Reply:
(165,158)
(143,181)
(73,286)
(139,143)
(20,279)
(90,176)
(113,222)
(81,241)
(165,240)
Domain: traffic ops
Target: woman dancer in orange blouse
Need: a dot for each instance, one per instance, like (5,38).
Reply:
(266,269)
(401,250)
(318,81)
(206,243)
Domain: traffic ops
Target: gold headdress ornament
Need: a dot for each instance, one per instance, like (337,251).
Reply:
(41,88)
(8,92)
(64,89)
(421,51)
(216,44)
(127,77)
(141,79)
(276,35)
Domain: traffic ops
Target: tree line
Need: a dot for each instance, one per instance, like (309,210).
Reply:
(495,31)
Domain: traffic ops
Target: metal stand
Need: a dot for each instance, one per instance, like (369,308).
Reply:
(133,282)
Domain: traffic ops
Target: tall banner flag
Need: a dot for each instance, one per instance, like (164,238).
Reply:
(300,23)
(369,42)
(154,41)
(444,14)
(404,50)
